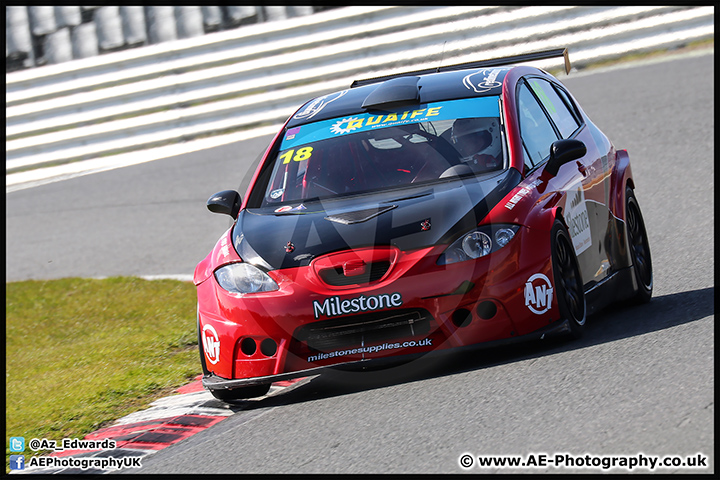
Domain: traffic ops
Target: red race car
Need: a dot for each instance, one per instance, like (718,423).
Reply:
(468,205)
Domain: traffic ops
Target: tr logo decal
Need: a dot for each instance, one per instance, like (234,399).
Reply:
(211,344)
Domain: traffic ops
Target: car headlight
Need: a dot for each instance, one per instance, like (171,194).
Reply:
(244,278)
(478,243)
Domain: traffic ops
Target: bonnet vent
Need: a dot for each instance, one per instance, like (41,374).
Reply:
(358,216)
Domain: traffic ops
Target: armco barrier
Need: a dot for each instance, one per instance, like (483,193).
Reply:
(257,75)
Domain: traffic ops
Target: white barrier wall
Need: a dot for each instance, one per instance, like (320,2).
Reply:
(40,35)
(257,75)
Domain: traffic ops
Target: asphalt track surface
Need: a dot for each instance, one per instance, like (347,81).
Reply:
(641,381)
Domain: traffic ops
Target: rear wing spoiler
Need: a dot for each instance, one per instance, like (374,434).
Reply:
(495,62)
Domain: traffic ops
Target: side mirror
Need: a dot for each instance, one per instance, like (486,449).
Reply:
(562,152)
(227,202)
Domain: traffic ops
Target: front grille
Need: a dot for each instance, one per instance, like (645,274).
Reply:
(369,329)
(336,277)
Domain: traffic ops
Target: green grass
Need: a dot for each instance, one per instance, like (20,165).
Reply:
(81,353)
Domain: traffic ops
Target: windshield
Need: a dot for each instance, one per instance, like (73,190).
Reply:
(387,149)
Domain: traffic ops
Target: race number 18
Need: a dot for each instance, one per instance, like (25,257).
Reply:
(302,154)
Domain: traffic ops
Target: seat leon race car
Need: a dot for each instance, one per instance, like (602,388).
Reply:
(468,205)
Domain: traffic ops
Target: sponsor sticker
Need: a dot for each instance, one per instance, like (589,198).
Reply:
(290,208)
(483,80)
(521,194)
(224,249)
(538,294)
(333,306)
(350,124)
(324,129)
(370,349)
(346,125)
(316,106)
(291,133)
(578,219)
(211,344)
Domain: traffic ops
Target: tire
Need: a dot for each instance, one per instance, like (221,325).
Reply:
(230,396)
(568,281)
(200,345)
(639,248)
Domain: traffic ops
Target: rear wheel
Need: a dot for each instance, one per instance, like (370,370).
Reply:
(639,248)
(568,282)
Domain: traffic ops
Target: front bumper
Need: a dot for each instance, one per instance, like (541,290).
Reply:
(214,382)
(418,308)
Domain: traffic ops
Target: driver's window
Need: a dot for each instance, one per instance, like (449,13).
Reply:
(535,129)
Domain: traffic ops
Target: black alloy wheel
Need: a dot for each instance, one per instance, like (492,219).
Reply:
(639,248)
(568,281)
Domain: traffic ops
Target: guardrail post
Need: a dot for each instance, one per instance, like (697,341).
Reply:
(84,41)
(212,18)
(161,24)
(133,24)
(238,15)
(189,21)
(273,13)
(18,38)
(59,47)
(109,28)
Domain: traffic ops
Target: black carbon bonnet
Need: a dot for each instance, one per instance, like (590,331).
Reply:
(408,218)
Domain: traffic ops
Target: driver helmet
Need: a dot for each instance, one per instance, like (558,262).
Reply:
(473,136)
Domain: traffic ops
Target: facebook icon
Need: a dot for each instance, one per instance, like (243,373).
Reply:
(17,462)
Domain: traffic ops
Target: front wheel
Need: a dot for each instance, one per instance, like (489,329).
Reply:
(639,248)
(568,282)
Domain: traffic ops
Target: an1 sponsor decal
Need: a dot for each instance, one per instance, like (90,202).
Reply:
(483,80)
(577,219)
(211,344)
(538,294)
(334,306)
